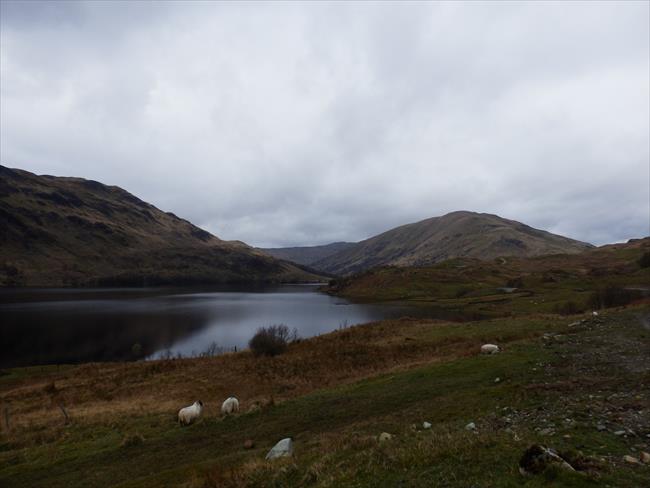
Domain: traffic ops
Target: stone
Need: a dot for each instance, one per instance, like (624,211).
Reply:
(631,459)
(426,425)
(645,457)
(249,444)
(600,427)
(497,380)
(470,426)
(537,458)
(619,432)
(283,448)
(384,436)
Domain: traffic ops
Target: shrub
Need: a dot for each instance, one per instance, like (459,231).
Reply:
(132,440)
(644,261)
(462,291)
(515,282)
(610,296)
(272,340)
(568,308)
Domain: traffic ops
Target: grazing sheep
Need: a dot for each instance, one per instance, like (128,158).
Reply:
(189,414)
(490,349)
(230,405)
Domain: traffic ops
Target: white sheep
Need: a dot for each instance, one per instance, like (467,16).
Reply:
(189,414)
(230,405)
(490,349)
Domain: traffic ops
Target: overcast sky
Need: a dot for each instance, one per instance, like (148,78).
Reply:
(306,123)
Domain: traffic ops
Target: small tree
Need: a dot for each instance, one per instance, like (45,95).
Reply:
(644,261)
(610,296)
(568,308)
(272,340)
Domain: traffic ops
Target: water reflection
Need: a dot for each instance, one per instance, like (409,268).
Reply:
(64,326)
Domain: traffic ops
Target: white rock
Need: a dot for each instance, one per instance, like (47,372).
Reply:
(645,457)
(385,436)
(594,313)
(470,426)
(426,425)
(631,459)
(490,349)
(284,448)
(497,380)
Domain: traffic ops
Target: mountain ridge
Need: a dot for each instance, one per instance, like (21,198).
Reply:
(307,255)
(456,234)
(68,231)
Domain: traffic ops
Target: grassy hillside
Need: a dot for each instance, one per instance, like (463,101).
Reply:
(76,232)
(564,382)
(457,234)
(504,286)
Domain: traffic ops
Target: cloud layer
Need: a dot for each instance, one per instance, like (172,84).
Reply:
(300,124)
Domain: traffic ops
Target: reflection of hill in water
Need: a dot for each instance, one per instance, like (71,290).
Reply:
(91,330)
(69,326)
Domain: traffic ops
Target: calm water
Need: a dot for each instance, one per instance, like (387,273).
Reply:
(73,325)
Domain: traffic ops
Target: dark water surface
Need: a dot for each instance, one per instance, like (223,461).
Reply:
(46,326)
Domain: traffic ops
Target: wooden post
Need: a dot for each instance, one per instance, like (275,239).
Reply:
(65,413)
(6,415)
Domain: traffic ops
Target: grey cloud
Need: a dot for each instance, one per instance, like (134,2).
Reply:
(300,124)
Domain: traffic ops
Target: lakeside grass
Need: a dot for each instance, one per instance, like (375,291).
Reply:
(334,394)
(475,288)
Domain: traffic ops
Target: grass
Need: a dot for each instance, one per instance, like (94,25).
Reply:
(477,288)
(333,395)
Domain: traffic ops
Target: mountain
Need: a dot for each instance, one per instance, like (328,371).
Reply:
(307,255)
(74,232)
(457,234)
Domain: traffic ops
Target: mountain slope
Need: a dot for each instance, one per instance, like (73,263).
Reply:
(309,254)
(75,232)
(457,234)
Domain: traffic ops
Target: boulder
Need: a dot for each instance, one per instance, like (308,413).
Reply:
(537,458)
(490,349)
(631,459)
(384,436)
(283,448)
(426,425)
(470,426)
(645,457)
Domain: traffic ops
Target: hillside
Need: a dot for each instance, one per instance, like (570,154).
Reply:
(457,234)
(507,286)
(580,385)
(307,255)
(74,232)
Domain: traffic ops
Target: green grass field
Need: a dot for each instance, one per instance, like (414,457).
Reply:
(597,372)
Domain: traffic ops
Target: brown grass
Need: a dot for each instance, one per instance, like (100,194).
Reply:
(103,393)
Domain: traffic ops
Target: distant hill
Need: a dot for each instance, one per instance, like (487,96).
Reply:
(457,234)
(307,255)
(75,232)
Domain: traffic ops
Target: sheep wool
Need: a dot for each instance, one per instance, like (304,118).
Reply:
(190,414)
(230,406)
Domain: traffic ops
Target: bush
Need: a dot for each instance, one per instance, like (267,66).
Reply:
(272,340)
(644,261)
(462,291)
(515,282)
(568,308)
(611,296)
